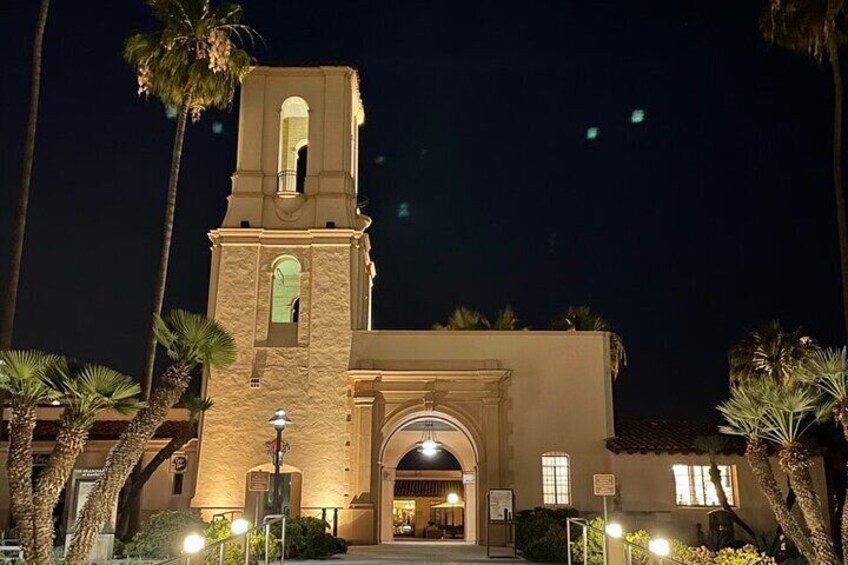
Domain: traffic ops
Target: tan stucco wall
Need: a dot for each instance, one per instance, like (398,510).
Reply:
(646,495)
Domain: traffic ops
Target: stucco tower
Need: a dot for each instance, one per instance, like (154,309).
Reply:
(291,279)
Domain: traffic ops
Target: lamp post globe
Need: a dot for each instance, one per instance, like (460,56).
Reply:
(279,420)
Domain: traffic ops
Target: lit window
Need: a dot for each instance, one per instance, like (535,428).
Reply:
(285,291)
(693,487)
(555,478)
(593,133)
(637,116)
(294,139)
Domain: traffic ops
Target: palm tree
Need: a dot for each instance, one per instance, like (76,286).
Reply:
(789,411)
(22,376)
(85,391)
(190,340)
(10,302)
(192,64)
(582,319)
(196,407)
(712,445)
(812,27)
(744,415)
(466,319)
(770,352)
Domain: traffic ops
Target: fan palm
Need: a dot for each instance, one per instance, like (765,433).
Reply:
(190,340)
(816,28)
(196,407)
(744,415)
(465,319)
(191,64)
(23,378)
(770,352)
(583,319)
(85,391)
(790,409)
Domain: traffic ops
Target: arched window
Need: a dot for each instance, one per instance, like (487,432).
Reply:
(294,138)
(556,478)
(285,292)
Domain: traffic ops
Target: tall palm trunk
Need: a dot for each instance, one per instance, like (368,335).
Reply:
(132,490)
(796,464)
(715,478)
(126,453)
(19,466)
(165,252)
(757,455)
(10,302)
(839,191)
(70,443)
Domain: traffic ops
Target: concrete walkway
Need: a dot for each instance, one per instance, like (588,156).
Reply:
(419,552)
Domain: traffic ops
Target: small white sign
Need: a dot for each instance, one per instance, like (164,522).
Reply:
(469,478)
(603,484)
(179,464)
(500,505)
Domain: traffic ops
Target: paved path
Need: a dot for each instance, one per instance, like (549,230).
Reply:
(423,552)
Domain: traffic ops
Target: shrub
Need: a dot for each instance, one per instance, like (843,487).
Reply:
(306,538)
(550,548)
(161,535)
(539,522)
(233,552)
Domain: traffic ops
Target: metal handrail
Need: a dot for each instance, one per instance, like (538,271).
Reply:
(628,546)
(267,522)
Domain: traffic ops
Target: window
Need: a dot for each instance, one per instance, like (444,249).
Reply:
(294,141)
(285,291)
(555,478)
(177,487)
(693,487)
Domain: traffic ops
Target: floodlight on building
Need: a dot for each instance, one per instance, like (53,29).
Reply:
(453,498)
(614,530)
(193,543)
(239,526)
(429,445)
(659,547)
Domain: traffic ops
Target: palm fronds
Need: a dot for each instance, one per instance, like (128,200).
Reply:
(193,339)
(23,374)
(770,352)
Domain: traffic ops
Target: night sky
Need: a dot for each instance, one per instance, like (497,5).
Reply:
(712,216)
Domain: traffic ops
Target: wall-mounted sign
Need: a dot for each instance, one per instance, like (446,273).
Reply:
(469,478)
(603,484)
(501,504)
(258,481)
(179,464)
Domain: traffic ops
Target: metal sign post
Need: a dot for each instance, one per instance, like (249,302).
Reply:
(260,483)
(603,485)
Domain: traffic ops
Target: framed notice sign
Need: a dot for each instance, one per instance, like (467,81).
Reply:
(501,502)
(259,481)
(603,485)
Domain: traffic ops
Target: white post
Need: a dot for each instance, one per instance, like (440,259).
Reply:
(283,540)
(603,533)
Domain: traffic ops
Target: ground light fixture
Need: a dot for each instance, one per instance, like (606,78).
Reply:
(614,530)
(192,544)
(429,445)
(239,526)
(659,547)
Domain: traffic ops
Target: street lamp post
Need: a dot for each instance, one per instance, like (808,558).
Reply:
(279,421)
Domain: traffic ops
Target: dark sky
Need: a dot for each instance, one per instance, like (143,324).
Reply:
(712,216)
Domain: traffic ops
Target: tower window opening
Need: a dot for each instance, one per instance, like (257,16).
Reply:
(285,299)
(294,142)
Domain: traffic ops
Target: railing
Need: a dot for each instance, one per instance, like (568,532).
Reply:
(329,514)
(287,182)
(10,546)
(207,553)
(633,553)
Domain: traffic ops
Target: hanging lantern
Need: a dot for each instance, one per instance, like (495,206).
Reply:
(429,445)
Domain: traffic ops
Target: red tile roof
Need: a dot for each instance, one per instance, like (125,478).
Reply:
(46,430)
(663,436)
(426,488)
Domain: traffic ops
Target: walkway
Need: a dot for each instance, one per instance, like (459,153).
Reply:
(423,552)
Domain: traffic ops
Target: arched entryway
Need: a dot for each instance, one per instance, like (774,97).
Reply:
(259,503)
(435,501)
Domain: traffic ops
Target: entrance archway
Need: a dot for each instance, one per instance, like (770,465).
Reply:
(454,517)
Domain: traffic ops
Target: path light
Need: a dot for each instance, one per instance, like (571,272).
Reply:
(193,543)
(239,526)
(453,498)
(659,547)
(614,530)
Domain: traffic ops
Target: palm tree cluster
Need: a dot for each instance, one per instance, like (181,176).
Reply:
(782,386)
(33,378)
(573,319)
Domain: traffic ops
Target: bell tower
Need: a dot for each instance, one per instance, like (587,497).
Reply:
(291,279)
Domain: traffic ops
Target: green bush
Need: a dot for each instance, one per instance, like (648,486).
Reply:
(233,552)
(161,535)
(535,524)
(306,538)
(550,548)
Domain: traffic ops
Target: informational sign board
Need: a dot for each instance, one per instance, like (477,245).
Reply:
(603,484)
(500,505)
(469,478)
(259,481)
(179,464)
